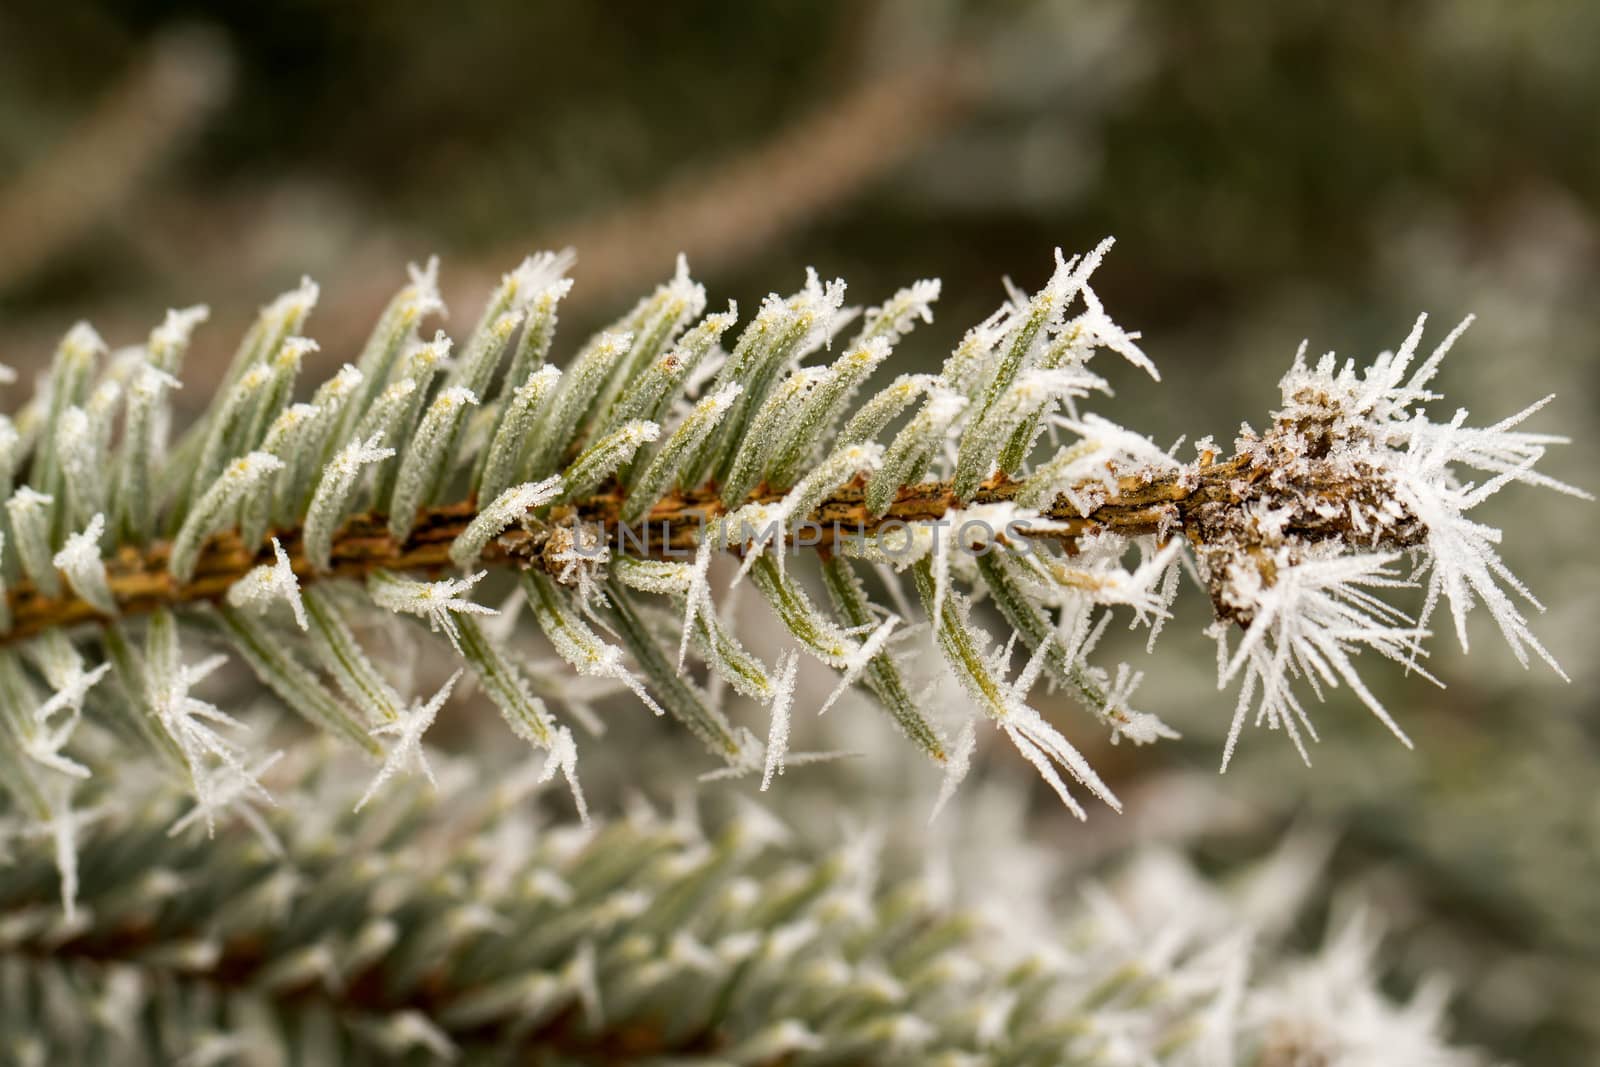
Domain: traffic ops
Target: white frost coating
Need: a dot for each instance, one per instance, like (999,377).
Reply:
(1370,427)
(1464,566)
(1103,452)
(683,294)
(603,458)
(79,559)
(1308,623)
(437,602)
(238,792)
(975,530)
(758,526)
(406,748)
(957,763)
(1330,1008)
(752,529)
(516,423)
(49,735)
(1097,575)
(427,456)
(580,646)
(291,422)
(83,340)
(422,295)
(305,440)
(292,352)
(540,272)
(818,310)
(579,385)
(919,441)
(61,826)
(660,577)
(170,341)
(563,757)
(218,774)
(808,429)
(663,467)
(769,430)
(898,315)
(782,705)
(294,305)
(147,388)
(1140,727)
(332,497)
(984,679)
(506,509)
(263,586)
(843,464)
(698,595)
(582,555)
(79,444)
(1097,330)
(30,513)
(860,659)
(341,386)
(216,508)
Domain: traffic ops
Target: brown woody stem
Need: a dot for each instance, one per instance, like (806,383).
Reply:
(140,583)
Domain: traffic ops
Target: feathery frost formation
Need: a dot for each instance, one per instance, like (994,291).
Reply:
(600,495)
(451,925)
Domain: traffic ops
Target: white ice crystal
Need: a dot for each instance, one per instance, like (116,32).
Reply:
(1005,700)
(175,331)
(782,705)
(61,826)
(957,764)
(80,560)
(505,509)
(437,602)
(1375,416)
(406,748)
(55,720)
(216,508)
(900,313)
(860,659)
(563,757)
(1316,614)
(218,773)
(269,583)
(1103,453)
(1308,604)
(332,496)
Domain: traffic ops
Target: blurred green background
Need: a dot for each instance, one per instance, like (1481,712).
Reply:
(1271,171)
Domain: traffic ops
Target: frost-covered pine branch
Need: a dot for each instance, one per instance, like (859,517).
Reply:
(454,923)
(601,493)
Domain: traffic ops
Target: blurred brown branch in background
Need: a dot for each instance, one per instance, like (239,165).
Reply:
(719,218)
(141,122)
(723,215)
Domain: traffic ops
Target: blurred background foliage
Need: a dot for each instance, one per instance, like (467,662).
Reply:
(1271,171)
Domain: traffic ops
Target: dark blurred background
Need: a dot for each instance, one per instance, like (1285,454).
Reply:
(1271,171)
